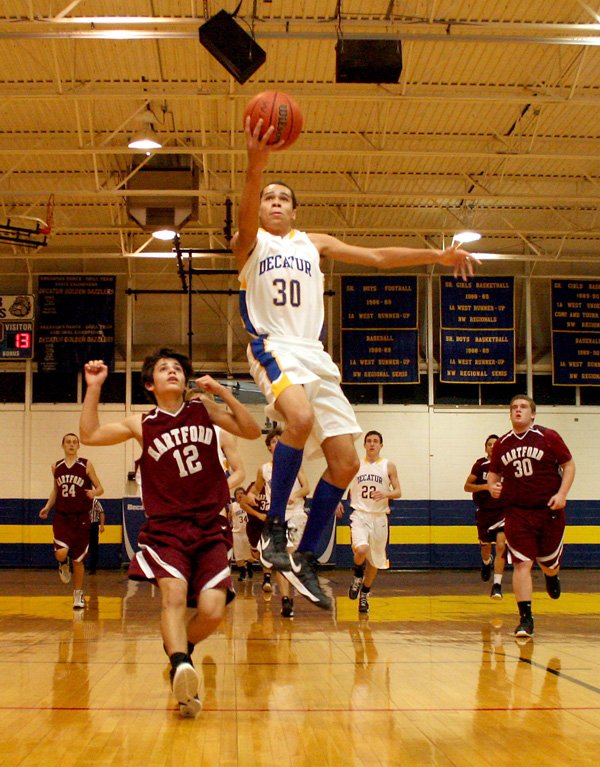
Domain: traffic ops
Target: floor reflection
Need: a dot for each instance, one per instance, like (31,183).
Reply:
(432,676)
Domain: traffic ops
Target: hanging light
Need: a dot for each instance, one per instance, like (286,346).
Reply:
(460,238)
(165,234)
(146,138)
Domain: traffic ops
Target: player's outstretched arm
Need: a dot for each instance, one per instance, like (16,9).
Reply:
(394,257)
(258,155)
(91,432)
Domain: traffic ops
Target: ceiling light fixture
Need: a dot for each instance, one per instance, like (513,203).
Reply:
(460,238)
(164,234)
(146,137)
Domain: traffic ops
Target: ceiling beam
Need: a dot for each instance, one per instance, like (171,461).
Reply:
(443,30)
(71,151)
(550,199)
(317,92)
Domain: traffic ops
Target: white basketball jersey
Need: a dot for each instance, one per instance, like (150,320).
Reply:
(282,287)
(370,477)
(297,506)
(239,518)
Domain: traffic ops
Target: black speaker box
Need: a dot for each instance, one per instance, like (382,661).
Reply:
(368,61)
(222,36)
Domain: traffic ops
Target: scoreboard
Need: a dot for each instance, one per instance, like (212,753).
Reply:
(16,327)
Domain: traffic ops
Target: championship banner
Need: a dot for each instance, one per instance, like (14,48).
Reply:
(380,337)
(575,332)
(76,321)
(477,330)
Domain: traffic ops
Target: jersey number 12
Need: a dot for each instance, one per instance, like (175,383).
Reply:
(187,460)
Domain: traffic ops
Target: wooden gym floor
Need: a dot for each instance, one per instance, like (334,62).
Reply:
(431,677)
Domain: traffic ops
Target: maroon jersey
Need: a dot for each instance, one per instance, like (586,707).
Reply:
(181,474)
(254,526)
(530,465)
(482,498)
(262,501)
(71,485)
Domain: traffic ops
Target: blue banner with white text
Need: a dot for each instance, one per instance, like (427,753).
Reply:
(477,330)
(380,336)
(575,332)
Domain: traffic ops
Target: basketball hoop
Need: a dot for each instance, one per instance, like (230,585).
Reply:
(26,236)
(47,227)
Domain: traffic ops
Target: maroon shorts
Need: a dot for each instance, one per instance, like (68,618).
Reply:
(254,528)
(72,531)
(489,524)
(535,534)
(196,551)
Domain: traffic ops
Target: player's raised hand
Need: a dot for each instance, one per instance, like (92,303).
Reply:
(209,385)
(461,260)
(257,146)
(95,372)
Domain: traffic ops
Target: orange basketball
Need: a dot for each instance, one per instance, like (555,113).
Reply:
(277,109)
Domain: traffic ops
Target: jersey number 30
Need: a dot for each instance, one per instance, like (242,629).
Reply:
(287,293)
(523,468)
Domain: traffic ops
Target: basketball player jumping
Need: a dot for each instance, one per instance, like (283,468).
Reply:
(281,303)
(185,542)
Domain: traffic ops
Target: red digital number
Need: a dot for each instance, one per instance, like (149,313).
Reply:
(23,341)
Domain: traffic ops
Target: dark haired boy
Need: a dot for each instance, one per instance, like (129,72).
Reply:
(185,542)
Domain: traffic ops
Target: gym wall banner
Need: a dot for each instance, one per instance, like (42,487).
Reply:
(575,332)
(380,335)
(75,321)
(477,330)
